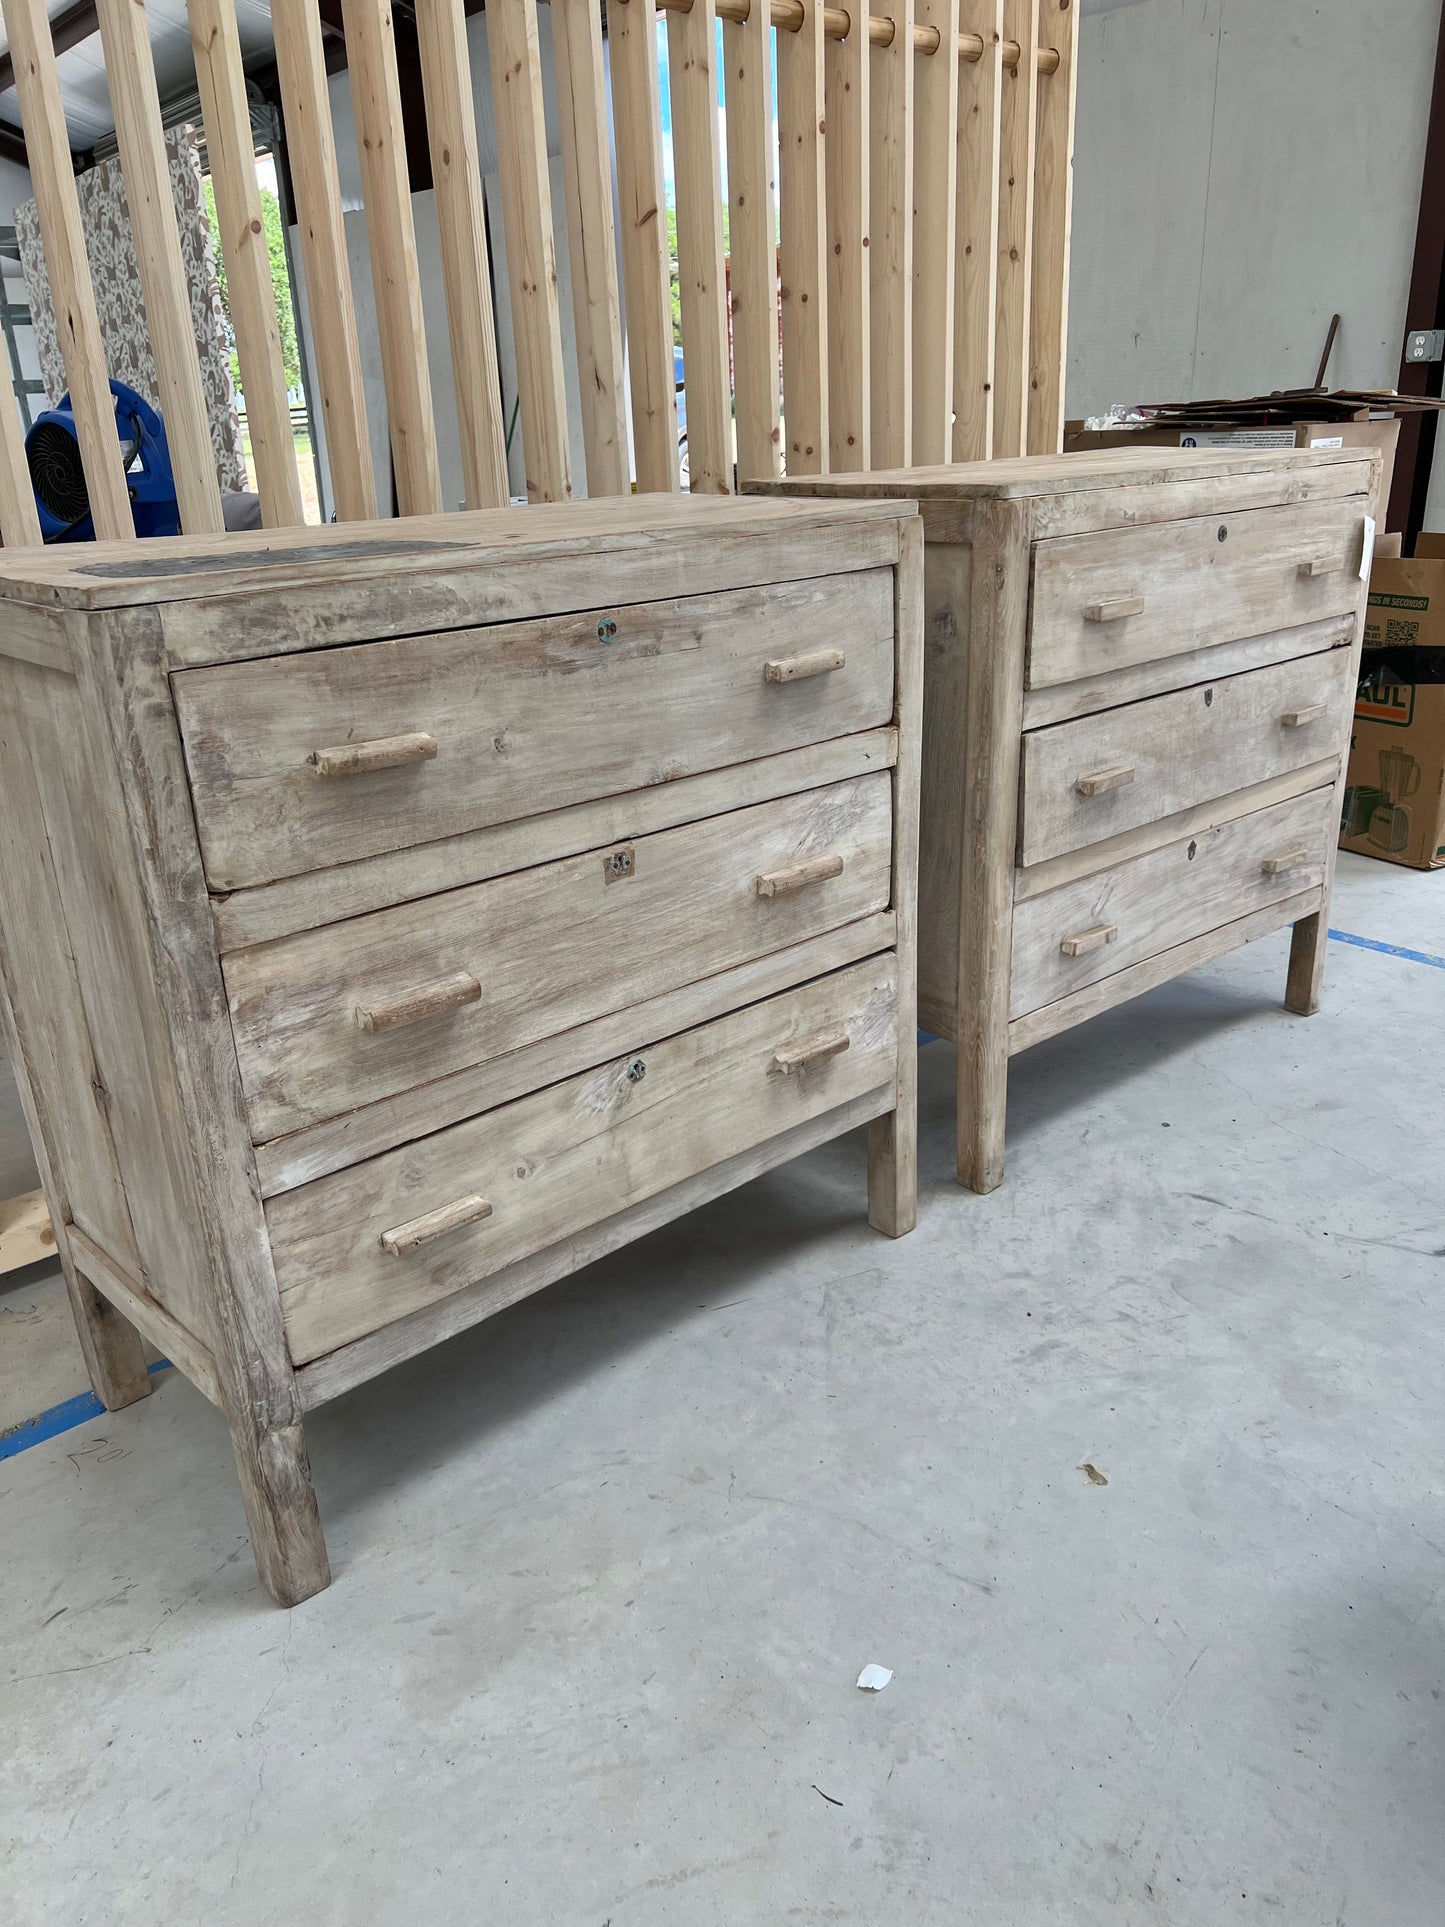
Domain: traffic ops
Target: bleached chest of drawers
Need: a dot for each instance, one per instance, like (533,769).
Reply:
(1139,674)
(398,917)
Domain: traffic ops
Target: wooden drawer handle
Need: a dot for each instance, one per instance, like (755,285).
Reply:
(1278,866)
(1297,718)
(414,1006)
(1100,781)
(385,752)
(1321,565)
(1116,611)
(791,1058)
(782,883)
(1088,940)
(435,1224)
(820,662)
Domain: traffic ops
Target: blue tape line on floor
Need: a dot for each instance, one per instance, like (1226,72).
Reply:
(64,1417)
(1389,949)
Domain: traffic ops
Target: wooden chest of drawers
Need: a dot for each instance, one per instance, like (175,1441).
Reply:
(398,917)
(1139,677)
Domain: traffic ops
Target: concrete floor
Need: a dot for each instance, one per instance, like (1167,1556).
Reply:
(608,1568)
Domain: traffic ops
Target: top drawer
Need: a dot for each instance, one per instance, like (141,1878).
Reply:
(1125,596)
(302,761)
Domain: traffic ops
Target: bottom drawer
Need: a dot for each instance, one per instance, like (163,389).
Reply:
(370,1244)
(1086,930)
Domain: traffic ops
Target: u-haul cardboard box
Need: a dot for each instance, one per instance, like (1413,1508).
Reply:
(1395,792)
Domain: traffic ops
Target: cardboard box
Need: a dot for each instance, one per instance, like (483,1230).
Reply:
(1394,805)
(1383,435)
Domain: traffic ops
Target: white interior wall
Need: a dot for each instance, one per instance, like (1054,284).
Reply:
(1244,169)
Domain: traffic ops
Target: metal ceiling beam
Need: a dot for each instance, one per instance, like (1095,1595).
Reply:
(12,145)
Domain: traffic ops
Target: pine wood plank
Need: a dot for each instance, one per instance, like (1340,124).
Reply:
(697,163)
(462,231)
(752,207)
(890,240)
(1017,142)
(591,241)
(226,113)
(847,72)
(975,298)
(130,77)
(516,63)
(642,217)
(391,236)
(316,185)
(77,322)
(935,221)
(19,523)
(802,206)
(1053,224)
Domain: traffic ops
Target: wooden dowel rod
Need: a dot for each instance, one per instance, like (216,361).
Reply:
(838,22)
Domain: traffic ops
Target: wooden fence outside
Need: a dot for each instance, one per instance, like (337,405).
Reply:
(915,238)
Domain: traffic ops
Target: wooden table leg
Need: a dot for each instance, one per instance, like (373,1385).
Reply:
(1306,965)
(281,1512)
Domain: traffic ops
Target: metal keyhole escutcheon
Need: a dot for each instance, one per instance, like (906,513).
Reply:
(607,629)
(636,1071)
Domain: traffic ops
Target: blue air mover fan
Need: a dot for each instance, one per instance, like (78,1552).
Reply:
(53,453)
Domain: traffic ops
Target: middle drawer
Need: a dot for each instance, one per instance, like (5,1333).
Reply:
(1085,781)
(331,1019)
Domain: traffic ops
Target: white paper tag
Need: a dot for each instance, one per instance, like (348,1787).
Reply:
(1368,554)
(1328,441)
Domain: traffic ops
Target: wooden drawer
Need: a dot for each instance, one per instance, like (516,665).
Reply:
(1131,595)
(453,980)
(1122,915)
(308,760)
(357,1250)
(1088,780)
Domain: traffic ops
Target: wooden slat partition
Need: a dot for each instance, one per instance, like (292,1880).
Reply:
(311,148)
(975,263)
(381,145)
(637,133)
(917,272)
(451,118)
(226,116)
(935,175)
(591,250)
(748,85)
(847,72)
(77,322)
(1017,138)
(135,103)
(890,239)
(697,165)
(531,251)
(1053,221)
(802,207)
(19,524)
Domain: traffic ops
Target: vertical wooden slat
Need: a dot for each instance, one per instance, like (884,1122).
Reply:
(803,224)
(451,122)
(642,210)
(19,524)
(1019,123)
(753,244)
(1053,219)
(975,266)
(77,323)
(697,163)
(311,150)
(391,235)
(131,78)
(232,156)
(847,70)
(531,252)
(591,246)
(935,193)
(890,238)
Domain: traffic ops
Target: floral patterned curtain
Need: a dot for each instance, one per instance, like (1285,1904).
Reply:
(110,245)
